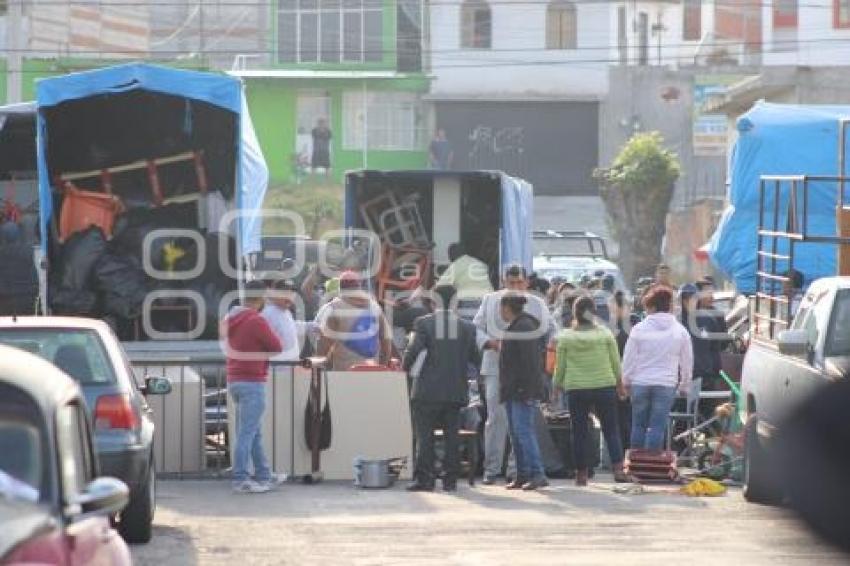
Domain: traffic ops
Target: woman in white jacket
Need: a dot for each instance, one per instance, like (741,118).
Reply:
(658,361)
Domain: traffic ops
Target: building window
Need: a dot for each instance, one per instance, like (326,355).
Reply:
(396,121)
(330,31)
(561,25)
(476,27)
(784,13)
(409,36)
(692,20)
(841,13)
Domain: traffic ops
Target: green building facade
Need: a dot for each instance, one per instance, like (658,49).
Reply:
(356,64)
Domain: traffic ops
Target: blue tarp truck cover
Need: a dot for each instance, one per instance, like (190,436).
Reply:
(516,214)
(217,90)
(777,139)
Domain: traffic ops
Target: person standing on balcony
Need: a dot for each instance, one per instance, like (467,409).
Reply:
(321,159)
(440,151)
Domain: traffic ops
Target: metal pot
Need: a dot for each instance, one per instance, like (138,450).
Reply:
(377,473)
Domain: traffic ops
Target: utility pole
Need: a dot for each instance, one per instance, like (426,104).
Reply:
(201,30)
(658,28)
(14,20)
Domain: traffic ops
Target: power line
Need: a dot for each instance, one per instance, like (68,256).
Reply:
(269,3)
(676,58)
(838,41)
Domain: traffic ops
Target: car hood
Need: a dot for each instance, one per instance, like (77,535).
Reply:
(21,521)
(572,262)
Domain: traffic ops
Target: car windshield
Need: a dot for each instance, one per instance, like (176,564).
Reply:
(838,338)
(567,246)
(569,275)
(78,352)
(20,459)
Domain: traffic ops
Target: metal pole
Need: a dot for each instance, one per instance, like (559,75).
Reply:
(659,29)
(842,150)
(14,17)
(365,126)
(201,31)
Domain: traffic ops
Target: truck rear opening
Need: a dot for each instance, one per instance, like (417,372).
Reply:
(18,210)
(138,172)
(487,211)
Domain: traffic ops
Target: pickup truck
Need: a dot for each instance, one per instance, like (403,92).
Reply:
(779,375)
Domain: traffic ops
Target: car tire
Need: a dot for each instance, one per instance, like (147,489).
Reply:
(759,483)
(136,525)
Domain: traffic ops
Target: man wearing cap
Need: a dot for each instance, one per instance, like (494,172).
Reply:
(278,313)
(353,327)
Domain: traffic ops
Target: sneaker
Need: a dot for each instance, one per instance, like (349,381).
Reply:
(275,480)
(488,480)
(535,484)
(250,486)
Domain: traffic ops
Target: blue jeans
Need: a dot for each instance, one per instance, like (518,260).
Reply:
(249,399)
(651,406)
(529,463)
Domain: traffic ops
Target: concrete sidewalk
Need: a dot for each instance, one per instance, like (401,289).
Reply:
(202,522)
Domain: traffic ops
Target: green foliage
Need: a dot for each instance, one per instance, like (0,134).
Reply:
(643,163)
(318,200)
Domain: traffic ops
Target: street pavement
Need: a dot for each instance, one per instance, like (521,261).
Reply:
(202,522)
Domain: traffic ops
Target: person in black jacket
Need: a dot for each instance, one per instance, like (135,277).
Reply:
(440,390)
(521,389)
(707,328)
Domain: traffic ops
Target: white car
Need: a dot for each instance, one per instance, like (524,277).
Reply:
(570,256)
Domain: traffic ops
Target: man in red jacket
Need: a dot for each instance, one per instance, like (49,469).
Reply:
(250,342)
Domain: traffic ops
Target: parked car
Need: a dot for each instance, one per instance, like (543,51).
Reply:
(52,509)
(88,351)
(779,375)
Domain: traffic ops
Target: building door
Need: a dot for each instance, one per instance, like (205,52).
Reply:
(553,145)
(643,38)
(312,107)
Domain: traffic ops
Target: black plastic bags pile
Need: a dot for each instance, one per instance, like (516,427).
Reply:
(72,292)
(120,282)
(89,280)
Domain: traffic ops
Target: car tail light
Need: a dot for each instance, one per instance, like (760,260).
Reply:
(115,412)
(45,549)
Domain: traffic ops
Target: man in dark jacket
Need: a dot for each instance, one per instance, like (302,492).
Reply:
(709,336)
(440,389)
(521,389)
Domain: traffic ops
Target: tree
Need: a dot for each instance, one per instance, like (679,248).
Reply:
(637,190)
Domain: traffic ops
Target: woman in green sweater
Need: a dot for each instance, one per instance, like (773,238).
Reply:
(587,367)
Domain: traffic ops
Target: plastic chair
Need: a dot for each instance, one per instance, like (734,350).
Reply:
(396,263)
(690,416)
(83,209)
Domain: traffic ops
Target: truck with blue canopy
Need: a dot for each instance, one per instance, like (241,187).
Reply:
(150,185)
(415,215)
(785,240)
(780,140)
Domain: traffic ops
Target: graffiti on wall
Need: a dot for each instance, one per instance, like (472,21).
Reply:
(497,148)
